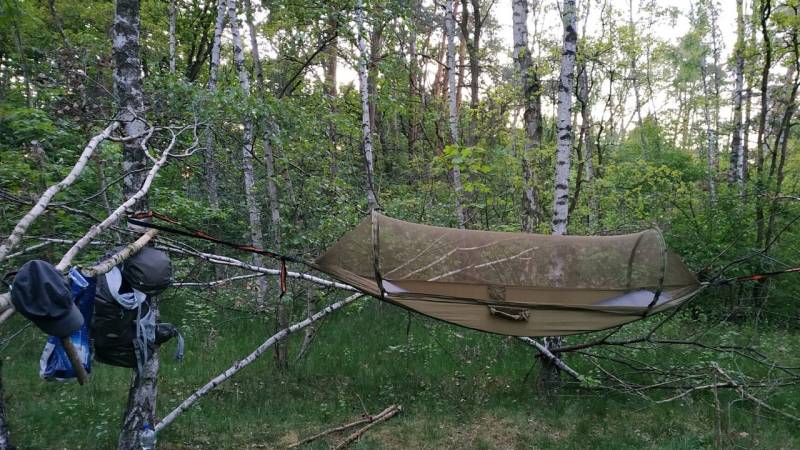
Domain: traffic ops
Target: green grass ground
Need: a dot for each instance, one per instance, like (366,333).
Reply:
(459,389)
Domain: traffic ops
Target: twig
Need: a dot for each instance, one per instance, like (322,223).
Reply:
(386,414)
(363,420)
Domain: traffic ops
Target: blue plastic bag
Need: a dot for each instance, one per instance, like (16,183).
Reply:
(54,364)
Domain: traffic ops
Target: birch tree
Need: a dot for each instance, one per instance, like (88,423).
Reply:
(366,129)
(737,142)
(173,11)
(253,207)
(272,187)
(566,83)
(549,375)
(450,32)
(212,184)
(141,407)
(532,114)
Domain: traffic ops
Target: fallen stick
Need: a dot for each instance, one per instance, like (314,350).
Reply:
(344,427)
(552,357)
(386,414)
(239,365)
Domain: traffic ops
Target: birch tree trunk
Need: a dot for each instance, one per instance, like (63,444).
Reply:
(258,69)
(5,435)
(587,143)
(210,163)
(331,61)
(128,89)
(253,207)
(366,129)
(710,134)
(172,13)
(765,10)
(549,376)
(282,320)
(564,120)
(450,31)
(532,115)
(473,47)
(737,143)
(141,407)
(715,53)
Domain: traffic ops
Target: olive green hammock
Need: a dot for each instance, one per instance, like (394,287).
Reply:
(516,284)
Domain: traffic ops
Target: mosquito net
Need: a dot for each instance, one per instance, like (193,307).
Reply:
(516,284)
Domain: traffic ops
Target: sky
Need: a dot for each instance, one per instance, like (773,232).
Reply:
(549,24)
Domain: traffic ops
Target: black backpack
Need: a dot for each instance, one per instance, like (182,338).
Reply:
(126,334)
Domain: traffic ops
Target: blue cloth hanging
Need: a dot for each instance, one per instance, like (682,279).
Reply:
(54,364)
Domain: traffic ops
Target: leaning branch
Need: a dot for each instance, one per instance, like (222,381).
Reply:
(239,365)
(38,209)
(125,253)
(120,211)
(233,262)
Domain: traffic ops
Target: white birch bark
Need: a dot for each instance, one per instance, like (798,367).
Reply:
(566,84)
(450,31)
(588,144)
(239,365)
(715,49)
(257,67)
(366,129)
(710,135)
(549,379)
(210,163)
(118,213)
(532,114)
(41,205)
(173,11)
(141,406)
(272,187)
(737,143)
(128,90)
(253,207)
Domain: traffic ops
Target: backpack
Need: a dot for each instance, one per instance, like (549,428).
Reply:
(124,325)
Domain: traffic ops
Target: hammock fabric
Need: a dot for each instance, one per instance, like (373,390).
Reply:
(516,284)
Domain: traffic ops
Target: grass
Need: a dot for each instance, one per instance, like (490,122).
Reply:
(459,389)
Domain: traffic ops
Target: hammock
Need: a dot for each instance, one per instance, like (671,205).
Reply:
(516,284)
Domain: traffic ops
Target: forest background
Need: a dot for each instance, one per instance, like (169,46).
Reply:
(295,118)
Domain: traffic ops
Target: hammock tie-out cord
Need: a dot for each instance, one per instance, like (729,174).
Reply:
(180,229)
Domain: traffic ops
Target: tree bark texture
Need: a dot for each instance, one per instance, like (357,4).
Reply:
(366,129)
(212,183)
(450,32)
(173,11)
(564,120)
(5,434)
(532,115)
(737,142)
(549,377)
(711,138)
(128,90)
(253,206)
(141,406)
